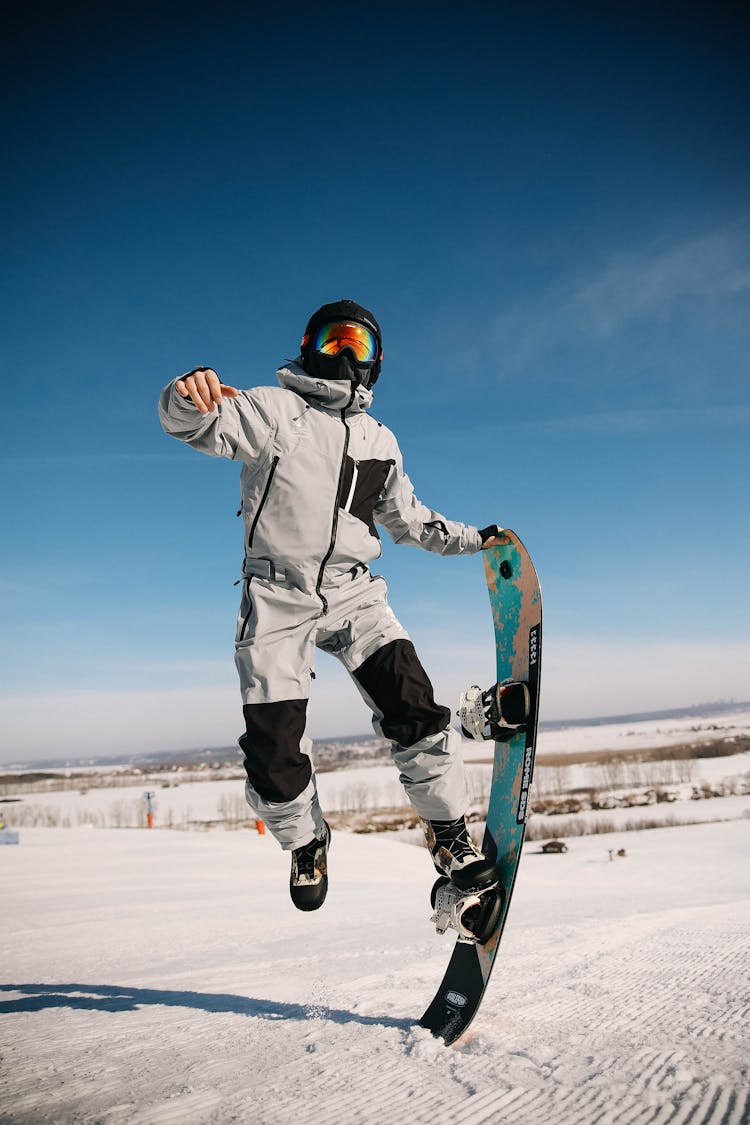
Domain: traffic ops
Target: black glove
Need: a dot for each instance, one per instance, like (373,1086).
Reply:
(488,532)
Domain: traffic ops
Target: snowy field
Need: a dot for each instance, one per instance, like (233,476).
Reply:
(356,790)
(185,797)
(646,732)
(154,977)
(191,804)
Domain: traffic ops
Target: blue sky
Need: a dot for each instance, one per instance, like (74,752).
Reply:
(546,206)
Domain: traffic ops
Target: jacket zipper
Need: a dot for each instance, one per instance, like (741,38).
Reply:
(263,499)
(335,524)
(249,612)
(350,497)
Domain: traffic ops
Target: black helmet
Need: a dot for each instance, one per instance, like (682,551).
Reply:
(344,365)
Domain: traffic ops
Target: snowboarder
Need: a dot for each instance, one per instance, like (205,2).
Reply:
(319,474)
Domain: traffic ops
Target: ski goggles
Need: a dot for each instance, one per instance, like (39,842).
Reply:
(332,338)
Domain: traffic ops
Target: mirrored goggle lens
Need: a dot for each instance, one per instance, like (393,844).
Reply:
(332,338)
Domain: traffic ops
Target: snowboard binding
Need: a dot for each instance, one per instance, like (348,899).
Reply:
(497,713)
(474,916)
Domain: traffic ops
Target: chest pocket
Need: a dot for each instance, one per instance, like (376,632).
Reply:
(361,486)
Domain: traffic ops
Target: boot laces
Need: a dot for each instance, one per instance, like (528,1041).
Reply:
(453,835)
(305,857)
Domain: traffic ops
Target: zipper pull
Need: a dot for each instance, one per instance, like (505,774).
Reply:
(352,486)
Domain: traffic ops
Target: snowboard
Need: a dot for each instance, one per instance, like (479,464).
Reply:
(516,601)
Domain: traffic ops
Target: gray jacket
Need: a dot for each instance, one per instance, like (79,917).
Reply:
(318,476)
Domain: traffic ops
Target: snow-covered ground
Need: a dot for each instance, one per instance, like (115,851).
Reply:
(354,791)
(637,734)
(153,977)
(371,787)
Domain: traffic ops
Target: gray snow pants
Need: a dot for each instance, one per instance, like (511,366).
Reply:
(278,630)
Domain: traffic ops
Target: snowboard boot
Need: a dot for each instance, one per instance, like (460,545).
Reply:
(456,856)
(308,882)
(496,713)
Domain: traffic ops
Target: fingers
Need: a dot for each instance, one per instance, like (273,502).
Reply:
(204,388)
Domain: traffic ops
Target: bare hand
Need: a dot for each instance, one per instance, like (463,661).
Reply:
(205,388)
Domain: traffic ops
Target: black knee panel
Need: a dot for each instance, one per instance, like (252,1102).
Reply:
(398,685)
(276,767)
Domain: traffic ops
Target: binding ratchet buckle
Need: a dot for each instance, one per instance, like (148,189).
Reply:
(474,916)
(497,713)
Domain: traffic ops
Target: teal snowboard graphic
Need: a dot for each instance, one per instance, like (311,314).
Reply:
(516,602)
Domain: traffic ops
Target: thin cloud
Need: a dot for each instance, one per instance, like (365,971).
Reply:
(586,676)
(636,421)
(659,419)
(632,286)
(79,722)
(583,676)
(629,287)
(60,460)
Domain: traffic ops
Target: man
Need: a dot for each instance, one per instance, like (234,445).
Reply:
(319,475)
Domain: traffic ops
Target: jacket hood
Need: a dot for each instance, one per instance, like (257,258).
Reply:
(332,394)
